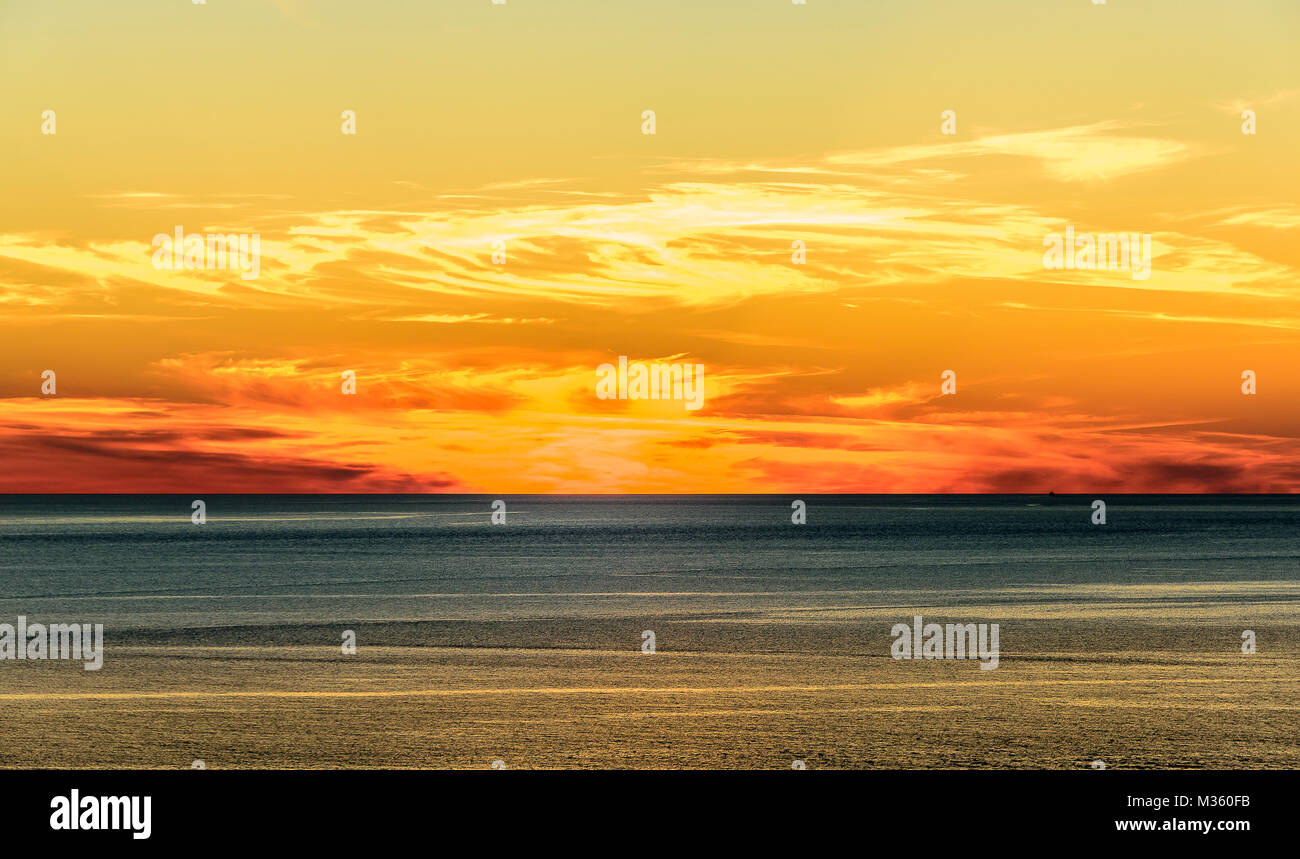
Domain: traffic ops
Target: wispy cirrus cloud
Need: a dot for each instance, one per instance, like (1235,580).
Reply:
(822,373)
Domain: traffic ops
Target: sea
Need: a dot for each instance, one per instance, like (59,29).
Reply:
(653,632)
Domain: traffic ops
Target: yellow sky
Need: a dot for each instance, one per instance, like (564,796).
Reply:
(522,124)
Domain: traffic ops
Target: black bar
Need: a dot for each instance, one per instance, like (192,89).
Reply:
(631,812)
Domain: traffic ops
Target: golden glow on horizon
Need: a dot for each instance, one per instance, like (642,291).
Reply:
(818,124)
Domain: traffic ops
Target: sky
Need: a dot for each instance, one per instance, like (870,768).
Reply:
(520,128)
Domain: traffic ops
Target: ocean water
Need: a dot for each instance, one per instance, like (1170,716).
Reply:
(522,642)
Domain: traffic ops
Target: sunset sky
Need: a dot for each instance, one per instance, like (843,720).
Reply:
(775,123)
